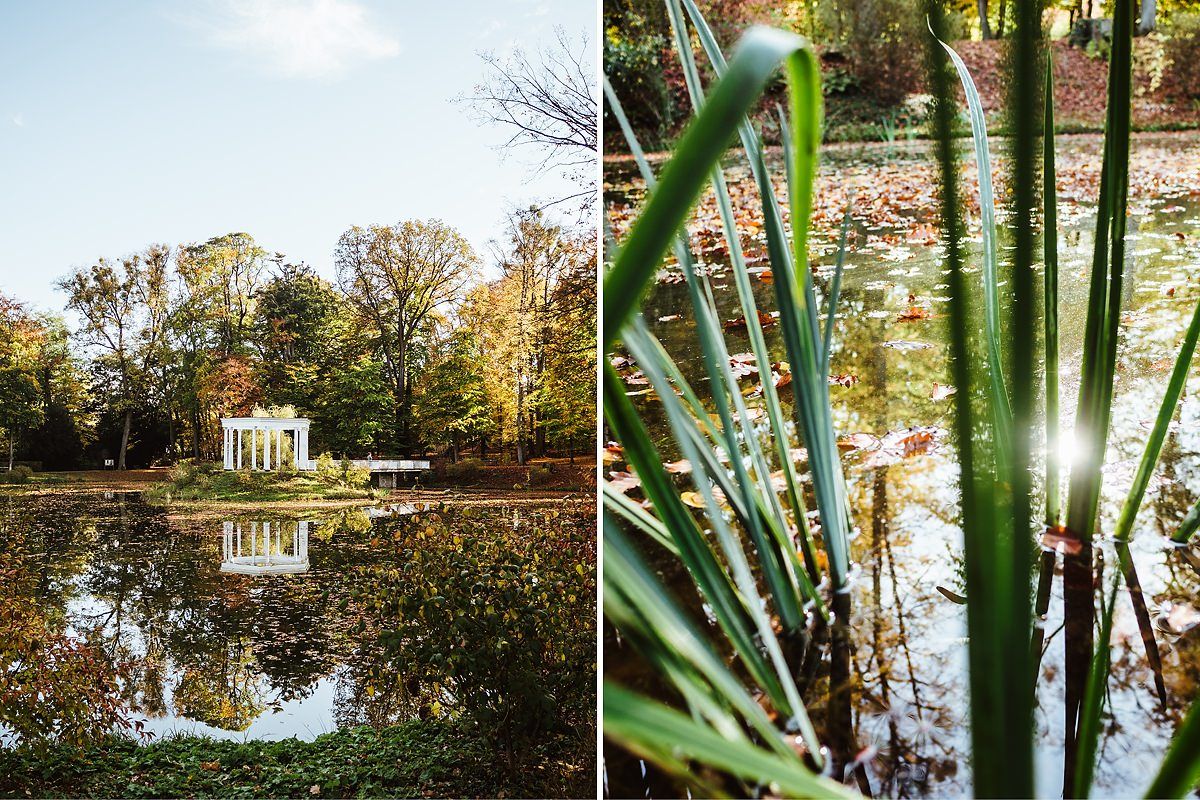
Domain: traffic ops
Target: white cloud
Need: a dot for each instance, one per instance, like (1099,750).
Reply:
(18,119)
(300,38)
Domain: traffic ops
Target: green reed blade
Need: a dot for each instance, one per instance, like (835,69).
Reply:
(655,731)
(638,604)
(835,289)
(1088,741)
(780,566)
(998,615)
(680,423)
(991,276)
(710,577)
(617,503)
(1183,360)
(1188,527)
(758,346)
(1050,299)
(699,149)
(1104,298)
(1180,770)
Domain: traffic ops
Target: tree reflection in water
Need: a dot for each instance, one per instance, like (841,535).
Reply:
(195,644)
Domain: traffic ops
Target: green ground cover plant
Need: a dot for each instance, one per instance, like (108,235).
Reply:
(415,759)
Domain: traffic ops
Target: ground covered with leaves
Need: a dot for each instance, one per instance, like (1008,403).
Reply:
(415,759)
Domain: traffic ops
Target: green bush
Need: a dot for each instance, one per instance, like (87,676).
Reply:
(488,623)
(1182,56)
(465,469)
(631,63)
(18,474)
(539,475)
(341,473)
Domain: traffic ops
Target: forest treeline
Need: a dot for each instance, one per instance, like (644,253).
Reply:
(414,348)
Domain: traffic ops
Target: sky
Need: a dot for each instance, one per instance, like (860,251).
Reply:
(128,123)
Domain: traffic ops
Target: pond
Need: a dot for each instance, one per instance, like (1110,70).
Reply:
(893,413)
(274,626)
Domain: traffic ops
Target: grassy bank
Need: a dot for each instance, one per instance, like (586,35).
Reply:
(410,760)
(209,482)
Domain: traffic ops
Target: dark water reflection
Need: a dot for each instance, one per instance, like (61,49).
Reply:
(253,627)
(907,681)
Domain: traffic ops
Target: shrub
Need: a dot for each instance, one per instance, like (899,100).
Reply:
(539,475)
(631,62)
(1181,47)
(18,474)
(341,473)
(464,469)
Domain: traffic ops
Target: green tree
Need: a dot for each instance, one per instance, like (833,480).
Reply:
(452,402)
(124,308)
(396,277)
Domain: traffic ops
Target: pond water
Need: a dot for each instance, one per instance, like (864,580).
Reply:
(908,679)
(267,627)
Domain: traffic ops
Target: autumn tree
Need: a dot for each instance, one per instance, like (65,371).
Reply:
(529,317)
(124,311)
(21,340)
(452,400)
(395,277)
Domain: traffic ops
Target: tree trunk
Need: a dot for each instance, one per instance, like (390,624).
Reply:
(125,439)
(1146,21)
(11,448)
(1000,26)
(985,31)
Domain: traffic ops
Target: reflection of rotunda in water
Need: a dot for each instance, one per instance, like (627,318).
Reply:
(265,548)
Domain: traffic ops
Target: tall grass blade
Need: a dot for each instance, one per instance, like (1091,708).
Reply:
(699,150)
(1188,527)
(991,270)
(1050,299)
(662,734)
(1093,700)
(750,314)
(992,461)
(1180,771)
(1158,434)
(640,606)
(794,289)
(835,289)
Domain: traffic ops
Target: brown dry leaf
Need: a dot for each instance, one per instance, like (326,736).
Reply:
(681,467)
(613,452)
(913,314)
(845,379)
(739,324)
(916,443)
(693,499)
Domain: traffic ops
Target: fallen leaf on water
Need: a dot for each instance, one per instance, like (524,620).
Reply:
(765,320)
(681,467)
(913,314)
(623,481)
(845,379)
(613,452)
(942,391)
(669,318)
(858,441)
